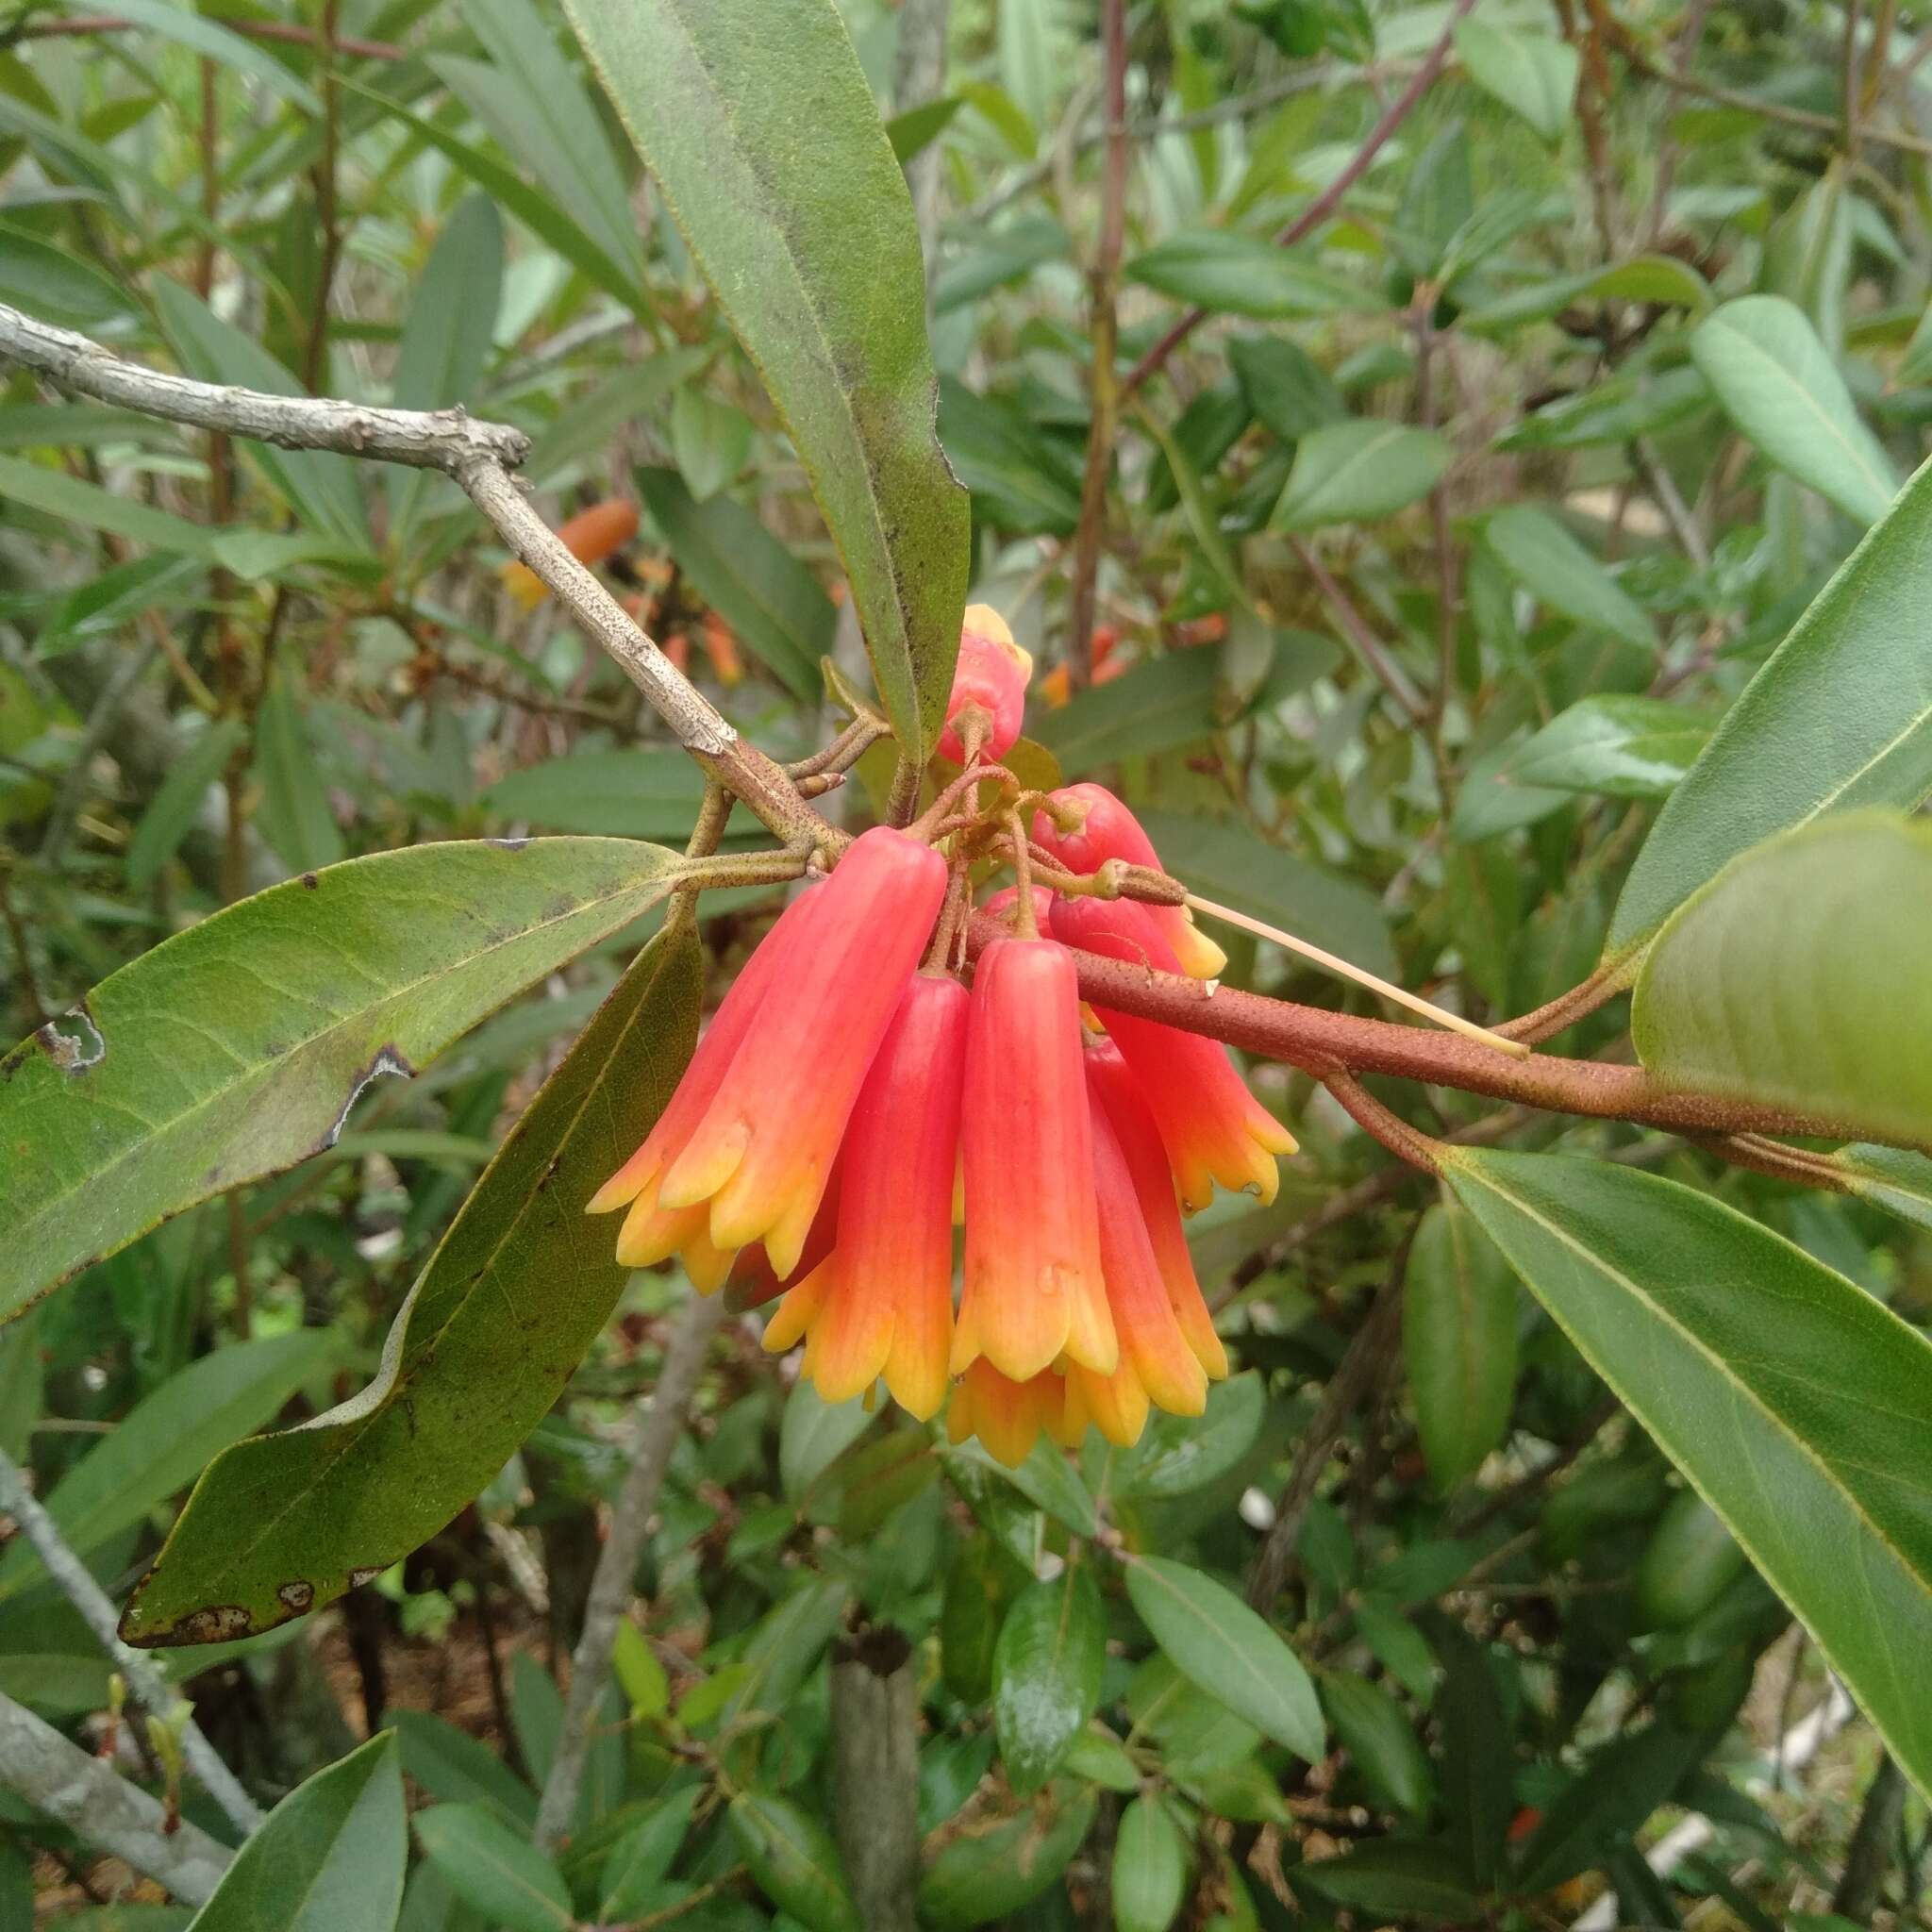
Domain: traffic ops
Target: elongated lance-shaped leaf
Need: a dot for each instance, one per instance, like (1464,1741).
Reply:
(240,1046)
(755,118)
(1799,1405)
(1839,716)
(491,1333)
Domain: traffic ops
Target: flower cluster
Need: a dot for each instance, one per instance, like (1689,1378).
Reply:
(849,1105)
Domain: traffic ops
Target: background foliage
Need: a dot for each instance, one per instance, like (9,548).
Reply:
(1482,575)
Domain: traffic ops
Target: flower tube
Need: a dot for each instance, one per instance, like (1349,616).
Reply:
(1213,1127)
(1108,829)
(1033,1284)
(881,1303)
(1007,1416)
(989,695)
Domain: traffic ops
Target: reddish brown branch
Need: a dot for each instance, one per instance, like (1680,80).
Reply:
(252,29)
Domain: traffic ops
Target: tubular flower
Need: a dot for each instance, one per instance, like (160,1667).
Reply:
(1117,1100)
(1033,1288)
(1008,1416)
(1107,829)
(882,1302)
(988,687)
(1213,1127)
(756,1160)
(590,536)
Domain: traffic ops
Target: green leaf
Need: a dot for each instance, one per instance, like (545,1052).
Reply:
(493,1330)
(238,1047)
(915,130)
(747,576)
(981,1582)
(1603,1808)
(194,30)
(1165,701)
(493,1870)
(1690,1560)
(1557,570)
(638,793)
(1796,1404)
(983,1876)
(1046,1671)
(1797,978)
(1889,1178)
(1839,716)
(321,487)
(1614,745)
(73,501)
(295,815)
(1022,480)
(446,339)
(1150,1868)
(1356,471)
(813,1436)
(1396,1878)
(1204,520)
(1235,867)
(589,425)
(452,1765)
(1782,391)
(795,205)
(1380,1740)
(539,111)
(177,801)
(791,1856)
(168,1438)
(710,440)
(1243,275)
(1179,1455)
(1458,1338)
(1284,385)
(329,1856)
(1533,74)
(1221,1646)
(1478,1745)
(645,1852)
(54,286)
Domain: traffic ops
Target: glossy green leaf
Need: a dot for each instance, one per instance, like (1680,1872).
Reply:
(982,1580)
(792,1857)
(1839,716)
(177,801)
(1797,978)
(493,1330)
(1459,1339)
(1614,745)
(241,1046)
(1356,471)
(1557,570)
(1156,706)
(1224,1647)
(1046,1672)
(1380,1740)
(786,1647)
(795,206)
(322,487)
(1799,1407)
(752,582)
(1779,386)
(983,1876)
(1690,1560)
(1150,1868)
(447,337)
(329,1856)
(54,286)
(1889,1178)
(73,501)
(539,112)
(493,1869)
(1243,274)
(1235,867)
(1532,73)
(295,815)
(1179,1455)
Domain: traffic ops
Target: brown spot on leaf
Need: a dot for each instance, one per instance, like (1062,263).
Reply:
(297,1596)
(309,882)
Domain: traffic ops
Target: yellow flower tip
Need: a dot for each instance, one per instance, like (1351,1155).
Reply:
(1200,958)
(798,1310)
(707,1265)
(652,1233)
(708,1161)
(525,587)
(615,1192)
(919,1390)
(786,1237)
(984,621)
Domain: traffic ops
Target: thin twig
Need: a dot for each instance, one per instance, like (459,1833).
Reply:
(151,1689)
(1369,647)
(1329,199)
(658,1424)
(102,1809)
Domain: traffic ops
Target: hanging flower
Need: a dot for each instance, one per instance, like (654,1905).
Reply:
(748,1141)
(1008,1417)
(988,696)
(1033,1287)
(881,1303)
(1213,1127)
(1103,828)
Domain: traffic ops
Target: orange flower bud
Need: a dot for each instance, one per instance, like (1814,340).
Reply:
(590,536)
